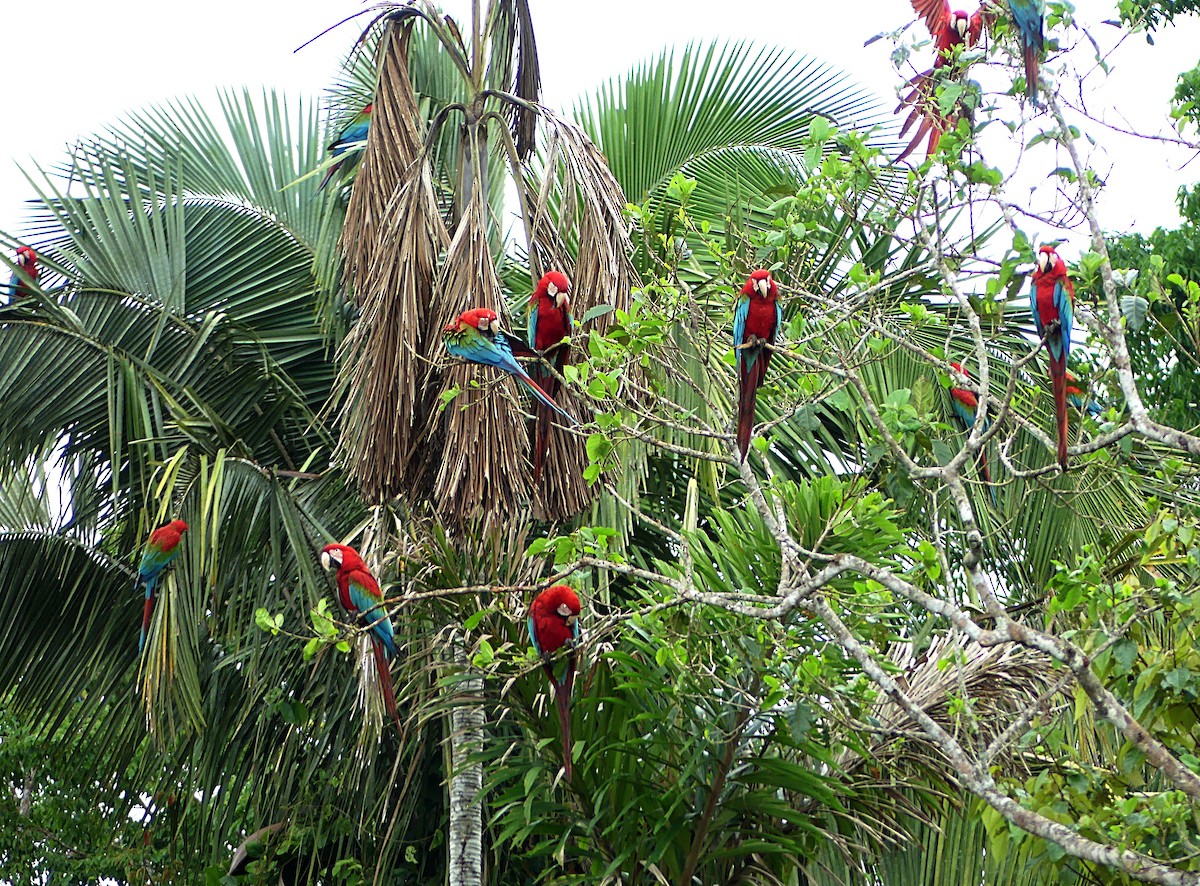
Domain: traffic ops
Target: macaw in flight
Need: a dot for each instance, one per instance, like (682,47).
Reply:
(553,624)
(966,405)
(359,594)
(950,29)
(1052,298)
(549,323)
(27,262)
(1029,16)
(161,548)
(757,316)
(476,336)
(1076,398)
(354,131)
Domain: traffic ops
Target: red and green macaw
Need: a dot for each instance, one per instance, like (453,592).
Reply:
(757,316)
(354,131)
(949,29)
(553,624)
(27,262)
(549,323)
(161,548)
(1077,399)
(1029,16)
(1052,297)
(966,406)
(359,594)
(476,336)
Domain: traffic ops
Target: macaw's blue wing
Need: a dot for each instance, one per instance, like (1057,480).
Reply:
(741,310)
(964,412)
(370,604)
(470,344)
(1066,318)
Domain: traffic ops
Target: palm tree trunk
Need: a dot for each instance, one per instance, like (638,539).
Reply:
(466,781)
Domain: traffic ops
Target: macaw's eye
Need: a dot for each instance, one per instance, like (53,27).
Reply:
(564,610)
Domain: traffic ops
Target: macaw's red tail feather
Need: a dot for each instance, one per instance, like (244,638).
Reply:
(541,446)
(147,611)
(987,476)
(562,700)
(1031,74)
(385,681)
(545,399)
(751,381)
(745,421)
(1058,383)
(983,467)
(328,175)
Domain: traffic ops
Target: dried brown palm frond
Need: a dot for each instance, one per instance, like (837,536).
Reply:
(394,144)
(562,492)
(579,208)
(484,471)
(391,241)
(513,26)
(383,357)
(998,683)
(580,205)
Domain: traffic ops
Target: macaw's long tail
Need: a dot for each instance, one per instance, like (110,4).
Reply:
(924,108)
(1058,383)
(544,416)
(542,397)
(385,681)
(562,701)
(328,175)
(147,611)
(751,379)
(987,476)
(1031,73)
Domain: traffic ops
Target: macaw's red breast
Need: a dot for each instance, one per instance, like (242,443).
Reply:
(550,612)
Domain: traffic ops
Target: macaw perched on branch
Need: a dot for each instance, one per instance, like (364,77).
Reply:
(359,594)
(1076,398)
(966,406)
(161,548)
(549,323)
(1052,297)
(757,316)
(1029,16)
(354,131)
(949,29)
(27,262)
(553,624)
(476,336)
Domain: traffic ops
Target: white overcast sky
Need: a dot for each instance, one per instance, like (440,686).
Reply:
(92,62)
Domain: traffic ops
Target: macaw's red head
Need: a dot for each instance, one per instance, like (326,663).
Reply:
(369,108)
(483,319)
(27,259)
(760,283)
(558,601)
(959,22)
(178,525)
(1048,259)
(958,366)
(555,286)
(340,557)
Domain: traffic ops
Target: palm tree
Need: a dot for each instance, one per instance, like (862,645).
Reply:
(224,343)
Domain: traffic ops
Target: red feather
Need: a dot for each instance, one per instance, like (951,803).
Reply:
(553,325)
(550,630)
(762,318)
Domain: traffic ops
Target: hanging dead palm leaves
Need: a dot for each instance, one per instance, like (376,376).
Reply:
(410,278)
